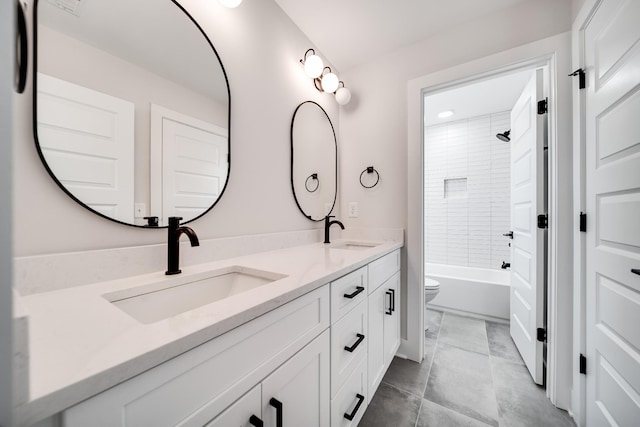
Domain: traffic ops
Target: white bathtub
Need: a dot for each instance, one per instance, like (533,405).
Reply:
(476,291)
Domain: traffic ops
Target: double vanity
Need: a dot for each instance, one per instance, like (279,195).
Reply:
(291,337)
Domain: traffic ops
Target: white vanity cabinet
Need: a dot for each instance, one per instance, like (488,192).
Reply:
(284,351)
(383,317)
(315,361)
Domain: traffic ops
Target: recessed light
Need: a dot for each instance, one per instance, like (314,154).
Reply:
(444,114)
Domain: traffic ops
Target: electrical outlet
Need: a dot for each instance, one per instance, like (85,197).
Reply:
(353,209)
(139,210)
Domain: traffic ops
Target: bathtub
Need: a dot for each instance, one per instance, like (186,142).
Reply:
(468,290)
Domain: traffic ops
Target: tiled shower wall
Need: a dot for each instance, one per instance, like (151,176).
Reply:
(467,192)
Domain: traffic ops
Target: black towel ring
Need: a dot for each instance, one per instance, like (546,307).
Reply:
(306,183)
(370,169)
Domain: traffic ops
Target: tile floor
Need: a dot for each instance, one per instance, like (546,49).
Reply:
(472,375)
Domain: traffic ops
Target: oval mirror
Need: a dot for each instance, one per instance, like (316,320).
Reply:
(314,161)
(131,108)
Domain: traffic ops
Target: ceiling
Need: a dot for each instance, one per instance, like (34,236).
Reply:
(352,32)
(477,99)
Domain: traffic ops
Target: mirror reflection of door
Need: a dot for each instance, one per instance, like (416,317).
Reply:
(114,48)
(87,138)
(190,163)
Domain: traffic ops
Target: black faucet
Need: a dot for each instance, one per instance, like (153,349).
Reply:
(173,255)
(505,265)
(327,224)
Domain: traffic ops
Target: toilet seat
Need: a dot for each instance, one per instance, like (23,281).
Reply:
(431,284)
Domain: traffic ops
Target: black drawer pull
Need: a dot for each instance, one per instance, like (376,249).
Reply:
(388,310)
(636,271)
(358,290)
(356,344)
(255,421)
(353,413)
(278,405)
(393,300)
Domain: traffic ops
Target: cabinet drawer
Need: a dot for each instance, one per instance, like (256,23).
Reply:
(239,413)
(350,331)
(347,292)
(346,400)
(383,268)
(193,388)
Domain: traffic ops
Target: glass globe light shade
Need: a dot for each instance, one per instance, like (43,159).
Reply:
(330,82)
(231,3)
(313,66)
(343,96)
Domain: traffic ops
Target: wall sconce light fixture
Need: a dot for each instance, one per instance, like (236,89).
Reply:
(324,81)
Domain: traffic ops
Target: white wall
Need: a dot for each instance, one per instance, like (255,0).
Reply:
(466,228)
(260,48)
(6,311)
(373,127)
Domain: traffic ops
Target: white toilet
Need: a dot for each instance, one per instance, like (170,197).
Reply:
(431,289)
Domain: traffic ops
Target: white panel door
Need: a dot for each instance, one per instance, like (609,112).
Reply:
(612,60)
(87,140)
(527,246)
(194,163)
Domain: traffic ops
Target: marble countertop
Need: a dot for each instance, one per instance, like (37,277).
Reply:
(80,344)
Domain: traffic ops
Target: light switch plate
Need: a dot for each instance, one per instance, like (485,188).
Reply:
(353,209)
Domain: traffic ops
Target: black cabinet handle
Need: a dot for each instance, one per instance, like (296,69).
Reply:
(21,49)
(358,290)
(509,234)
(388,310)
(393,300)
(353,413)
(636,271)
(255,421)
(278,405)
(356,344)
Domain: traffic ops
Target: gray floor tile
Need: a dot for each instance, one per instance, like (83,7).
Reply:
(500,342)
(432,319)
(391,407)
(429,347)
(464,332)
(520,401)
(434,415)
(461,380)
(408,375)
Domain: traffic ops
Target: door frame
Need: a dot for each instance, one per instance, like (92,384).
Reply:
(553,52)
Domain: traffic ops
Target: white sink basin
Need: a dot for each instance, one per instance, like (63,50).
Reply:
(157,301)
(354,246)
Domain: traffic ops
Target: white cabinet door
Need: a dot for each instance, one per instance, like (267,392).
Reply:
(244,413)
(297,393)
(384,330)
(375,349)
(392,320)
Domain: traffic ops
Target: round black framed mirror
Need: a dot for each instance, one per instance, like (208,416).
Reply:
(132,108)
(314,161)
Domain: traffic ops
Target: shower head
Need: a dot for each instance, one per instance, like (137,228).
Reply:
(504,137)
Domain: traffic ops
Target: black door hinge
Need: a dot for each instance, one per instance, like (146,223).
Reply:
(582,76)
(583,364)
(543,106)
(541,334)
(543,221)
(583,222)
